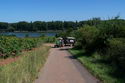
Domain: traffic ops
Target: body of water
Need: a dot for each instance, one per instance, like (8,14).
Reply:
(29,34)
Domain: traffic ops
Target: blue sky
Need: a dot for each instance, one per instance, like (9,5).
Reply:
(48,10)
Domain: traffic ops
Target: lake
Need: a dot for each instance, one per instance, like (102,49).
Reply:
(30,34)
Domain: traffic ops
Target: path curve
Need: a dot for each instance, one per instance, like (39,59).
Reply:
(60,68)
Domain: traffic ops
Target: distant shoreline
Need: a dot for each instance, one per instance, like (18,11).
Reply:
(49,31)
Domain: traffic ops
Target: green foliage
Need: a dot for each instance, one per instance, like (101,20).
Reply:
(87,37)
(38,26)
(96,36)
(66,33)
(49,39)
(113,28)
(10,29)
(107,39)
(3,26)
(26,68)
(11,46)
(89,33)
(116,52)
(97,66)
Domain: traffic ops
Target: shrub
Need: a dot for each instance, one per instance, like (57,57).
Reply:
(87,37)
(116,52)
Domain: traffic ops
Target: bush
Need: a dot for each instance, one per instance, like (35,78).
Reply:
(116,52)
(87,36)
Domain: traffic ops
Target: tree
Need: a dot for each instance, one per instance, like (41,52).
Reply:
(3,26)
(23,26)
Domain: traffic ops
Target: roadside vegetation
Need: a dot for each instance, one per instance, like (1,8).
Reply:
(97,66)
(48,39)
(13,46)
(100,46)
(26,68)
(29,55)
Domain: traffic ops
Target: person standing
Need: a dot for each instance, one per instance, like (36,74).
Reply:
(72,42)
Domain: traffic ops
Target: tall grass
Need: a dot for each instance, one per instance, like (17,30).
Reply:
(24,70)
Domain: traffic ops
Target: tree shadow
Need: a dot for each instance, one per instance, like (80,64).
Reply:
(118,73)
(102,61)
(115,71)
(80,54)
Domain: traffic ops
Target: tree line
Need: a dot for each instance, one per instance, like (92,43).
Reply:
(37,26)
(59,25)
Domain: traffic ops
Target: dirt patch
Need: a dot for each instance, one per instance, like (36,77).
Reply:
(8,60)
(49,44)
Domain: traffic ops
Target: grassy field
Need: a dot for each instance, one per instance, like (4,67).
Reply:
(26,69)
(97,67)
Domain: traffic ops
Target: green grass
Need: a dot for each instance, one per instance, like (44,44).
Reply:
(97,67)
(26,69)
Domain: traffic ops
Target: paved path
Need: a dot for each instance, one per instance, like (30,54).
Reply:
(60,68)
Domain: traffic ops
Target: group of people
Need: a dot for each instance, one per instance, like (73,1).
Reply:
(61,42)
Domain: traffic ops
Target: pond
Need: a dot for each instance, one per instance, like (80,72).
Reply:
(29,34)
